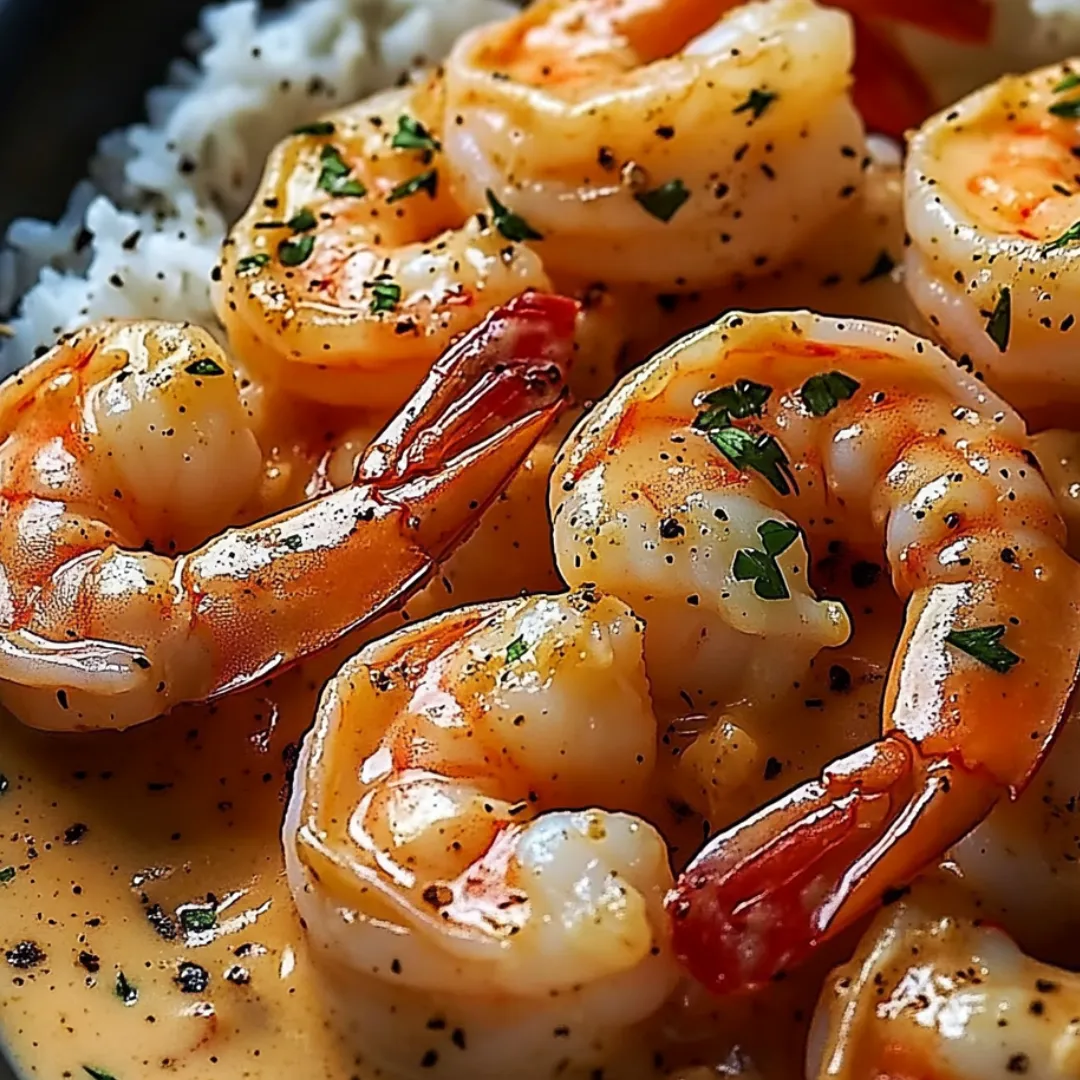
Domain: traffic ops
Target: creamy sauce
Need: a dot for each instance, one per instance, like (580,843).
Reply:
(155,855)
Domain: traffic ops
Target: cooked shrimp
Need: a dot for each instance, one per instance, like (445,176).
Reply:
(993,209)
(443,845)
(354,267)
(128,442)
(941,996)
(681,494)
(656,141)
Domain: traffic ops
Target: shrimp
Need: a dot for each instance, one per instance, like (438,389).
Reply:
(680,494)
(128,443)
(939,995)
(992,203)
(660,142)
(444,847)
(354,267)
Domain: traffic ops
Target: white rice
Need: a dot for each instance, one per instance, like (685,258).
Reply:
(141,236)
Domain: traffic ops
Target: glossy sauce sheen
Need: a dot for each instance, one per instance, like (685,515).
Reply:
(190,806)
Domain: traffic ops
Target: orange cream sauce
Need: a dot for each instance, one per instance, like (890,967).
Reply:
(155,855)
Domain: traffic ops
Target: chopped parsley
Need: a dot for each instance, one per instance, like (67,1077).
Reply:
(205,366)
(885,264)
(336,177)
(999,324)
(1069,236)
(127,993)
(7,874)
(412,135)
(762,453)
(742,399)
(516,650)
(822,393)
(761,567)
(1067,110)
(195,918)
(319,127)
(251,264)
(302,221)
(511,225)
(293,543)
(757,103)
(385,296)
(984,644)
(426,181)
(664,202)
(97,1074)
(295,252)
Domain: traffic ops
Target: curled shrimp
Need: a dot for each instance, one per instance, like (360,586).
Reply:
(128,442)
(939,994)
(657,141)
(444,847)
(696,486)
(992,198)
(354,268)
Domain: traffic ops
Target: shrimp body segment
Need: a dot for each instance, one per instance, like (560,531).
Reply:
(663,142)
(128,443)
(354,268)
(442,841)
(939,996)
(791,428)
(992,208)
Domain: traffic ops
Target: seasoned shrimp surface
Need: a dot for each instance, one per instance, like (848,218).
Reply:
(354,267)
(657,141)
(128,444)
(936,994)
(697,485)
(992,199)
(451,839)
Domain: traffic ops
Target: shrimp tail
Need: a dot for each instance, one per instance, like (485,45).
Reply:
(761,896)
(889,92)
(968,21)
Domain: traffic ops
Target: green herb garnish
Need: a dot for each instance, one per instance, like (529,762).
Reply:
(984,644)
(1069,236)
(742,399)
(319,127)
(822,393)
(757,103)
(761,567)
(516,650)
(199,917)
(763,454)
(127,993)
(426,181)
(999,324)
(205,366)
(98,1074)
(295,252)
(511,225)
(385,296)
(251,264)
(7,874)
(1067,110)
(302,221)
(336,177)
(412,135)
(664,202)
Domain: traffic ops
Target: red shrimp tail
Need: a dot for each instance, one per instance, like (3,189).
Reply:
(969,21)
(889,93)
(763,895)
(509,370)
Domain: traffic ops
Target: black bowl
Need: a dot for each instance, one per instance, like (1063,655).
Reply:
(70,71)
